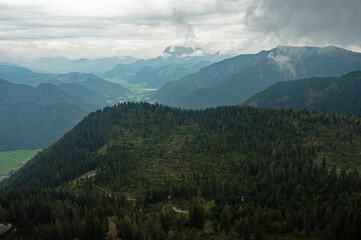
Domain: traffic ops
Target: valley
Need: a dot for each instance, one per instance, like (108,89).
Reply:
(139,91)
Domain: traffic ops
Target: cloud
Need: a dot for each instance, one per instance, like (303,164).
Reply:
(283,62)
(179,19)
(143,28)
(322,22)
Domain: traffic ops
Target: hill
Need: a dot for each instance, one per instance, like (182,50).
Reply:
(234,172)
(233,80)
(331,94)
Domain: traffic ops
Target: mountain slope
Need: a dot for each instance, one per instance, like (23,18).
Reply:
(93,83)
(34,117)
(232,81)
(30,125)
(330,94)
(82,92)
(45,94)
(155,78)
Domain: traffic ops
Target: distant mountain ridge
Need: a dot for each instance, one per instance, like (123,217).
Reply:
(65,65)
(233,80)
(44,94)
(331,94)
(21,75)
(171,55)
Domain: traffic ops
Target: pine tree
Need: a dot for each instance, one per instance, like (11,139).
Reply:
(197,215)
(225,219)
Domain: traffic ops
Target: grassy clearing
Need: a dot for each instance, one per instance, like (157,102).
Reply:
(10,160)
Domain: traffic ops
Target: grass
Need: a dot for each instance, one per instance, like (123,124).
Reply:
(10,160)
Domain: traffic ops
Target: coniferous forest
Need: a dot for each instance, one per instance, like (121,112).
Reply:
(148,171)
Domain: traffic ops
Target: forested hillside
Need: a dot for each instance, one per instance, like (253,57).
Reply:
(331,94)
(141,171)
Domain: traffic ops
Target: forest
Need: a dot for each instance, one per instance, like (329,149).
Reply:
(148,171)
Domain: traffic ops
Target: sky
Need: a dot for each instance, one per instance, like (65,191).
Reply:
(32,29)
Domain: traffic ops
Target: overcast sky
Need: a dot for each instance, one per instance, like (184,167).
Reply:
(143,28)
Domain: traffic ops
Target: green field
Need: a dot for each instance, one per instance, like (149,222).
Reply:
(139,91)
(11,159)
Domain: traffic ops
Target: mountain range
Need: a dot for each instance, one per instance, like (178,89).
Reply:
(136,170)
(230,81)
(233,80)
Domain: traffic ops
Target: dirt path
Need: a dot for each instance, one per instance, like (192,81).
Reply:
(179,210)
(13,159)
(4,228)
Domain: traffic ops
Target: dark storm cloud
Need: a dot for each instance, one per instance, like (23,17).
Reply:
(331,21)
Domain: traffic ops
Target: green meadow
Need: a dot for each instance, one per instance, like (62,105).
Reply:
(11,159)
